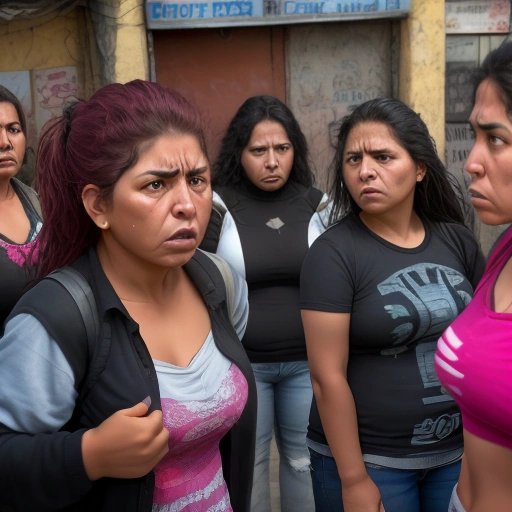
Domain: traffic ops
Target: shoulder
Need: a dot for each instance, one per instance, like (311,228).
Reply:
(344,230)
(226,196)
(455,233)
(29,194)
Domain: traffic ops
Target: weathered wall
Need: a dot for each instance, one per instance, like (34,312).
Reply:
(422,64)
(121,37)
(332,68)
(47,42)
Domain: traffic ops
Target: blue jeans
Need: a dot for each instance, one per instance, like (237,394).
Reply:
(402,490)
(284,400)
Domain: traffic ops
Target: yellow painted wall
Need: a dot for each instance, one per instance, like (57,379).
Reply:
(48,42)
(422,65)
(131,52)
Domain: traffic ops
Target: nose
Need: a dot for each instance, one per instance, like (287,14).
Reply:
(474,163)
(272,161)
(5,142)
(367,169)
(183,205)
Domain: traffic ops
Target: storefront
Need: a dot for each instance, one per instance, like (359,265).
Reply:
(321,57)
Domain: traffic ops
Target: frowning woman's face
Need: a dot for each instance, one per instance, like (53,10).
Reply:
(12,141)
(489,163)
(268,157)
(160,207)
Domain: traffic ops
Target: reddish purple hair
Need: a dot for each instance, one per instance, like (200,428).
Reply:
(95,142)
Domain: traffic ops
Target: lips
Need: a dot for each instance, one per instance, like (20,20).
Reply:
(184,234)
(475,194)
(369,190)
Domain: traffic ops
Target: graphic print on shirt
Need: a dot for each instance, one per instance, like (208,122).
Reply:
(448,345)
(431,291)
(275,223)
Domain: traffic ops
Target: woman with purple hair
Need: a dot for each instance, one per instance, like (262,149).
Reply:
(168,422)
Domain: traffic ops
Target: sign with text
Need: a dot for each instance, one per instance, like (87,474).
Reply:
(477,16)
(178,13)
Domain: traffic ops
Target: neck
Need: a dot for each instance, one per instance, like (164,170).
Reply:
(402,230)
(6,190)
(134,280)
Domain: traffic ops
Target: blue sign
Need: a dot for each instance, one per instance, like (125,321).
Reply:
(172,13)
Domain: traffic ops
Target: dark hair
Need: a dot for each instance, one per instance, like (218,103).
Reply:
(8,97)
(95,142)
(497,66)
(228,168)
(434,197)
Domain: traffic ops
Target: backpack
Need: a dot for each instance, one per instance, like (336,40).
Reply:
(80,291)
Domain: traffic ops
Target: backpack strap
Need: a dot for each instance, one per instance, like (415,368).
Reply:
(78,287)
(97,347)
(229,198)
(212,236)
(64,304)
(227,276)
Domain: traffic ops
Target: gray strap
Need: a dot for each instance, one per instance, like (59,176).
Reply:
(227,275)
(78,287)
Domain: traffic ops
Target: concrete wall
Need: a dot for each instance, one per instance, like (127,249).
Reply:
(120,32)
(333,67)
(422,64)
(47,42)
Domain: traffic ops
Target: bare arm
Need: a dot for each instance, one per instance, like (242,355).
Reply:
(327,341)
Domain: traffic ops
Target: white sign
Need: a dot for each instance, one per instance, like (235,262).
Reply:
(477,16)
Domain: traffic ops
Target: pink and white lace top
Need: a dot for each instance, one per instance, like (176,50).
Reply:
(200,403)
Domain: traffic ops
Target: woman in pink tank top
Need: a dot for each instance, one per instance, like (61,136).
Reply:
(474,355)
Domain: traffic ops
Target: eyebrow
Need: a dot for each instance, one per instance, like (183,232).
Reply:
(377,151)
(174,172)
(490,126)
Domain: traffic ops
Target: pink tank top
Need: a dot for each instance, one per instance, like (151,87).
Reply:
(190,478)
(474,358)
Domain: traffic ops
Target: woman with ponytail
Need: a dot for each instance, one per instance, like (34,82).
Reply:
(168,422)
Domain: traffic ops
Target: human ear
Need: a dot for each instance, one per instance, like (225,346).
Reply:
(420,172)
(95,206)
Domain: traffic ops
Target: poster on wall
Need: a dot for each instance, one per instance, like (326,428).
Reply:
(43,93)
(477,16)
(461,60)
(52,89)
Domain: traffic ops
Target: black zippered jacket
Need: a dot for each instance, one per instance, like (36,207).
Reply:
(45,472)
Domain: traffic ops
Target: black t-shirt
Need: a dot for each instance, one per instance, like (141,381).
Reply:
(400,301)
(269,236)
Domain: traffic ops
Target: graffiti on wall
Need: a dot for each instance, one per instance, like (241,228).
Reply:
(43,94)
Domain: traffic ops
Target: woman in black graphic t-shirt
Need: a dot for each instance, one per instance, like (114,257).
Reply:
(377,290)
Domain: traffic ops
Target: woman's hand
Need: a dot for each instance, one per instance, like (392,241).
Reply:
(362,496)
(128,444)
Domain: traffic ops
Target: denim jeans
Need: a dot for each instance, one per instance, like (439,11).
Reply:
(423,490)
(284,399)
